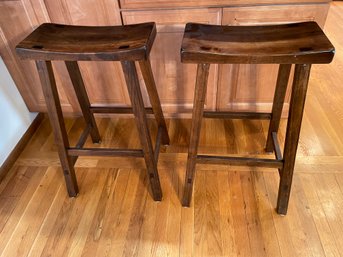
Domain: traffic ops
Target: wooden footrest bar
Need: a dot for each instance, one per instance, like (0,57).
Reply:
(238,115)
(118,110)
(105,152)
(239,161)
(113,152)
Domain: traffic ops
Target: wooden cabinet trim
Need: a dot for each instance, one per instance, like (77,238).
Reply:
(137,4)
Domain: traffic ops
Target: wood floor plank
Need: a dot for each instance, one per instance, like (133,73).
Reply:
(281,224)
(48,223)
(313,242)
(145,226)
(134,230)
(32,218)
(171,183)
(200,226)
(323,228)
(214,233)
(265,213)
(107,223)
(332,204)
(187,226)
(9,176)
(166,234)
(226,215)
(67,221)
(89,209)
(241,232)
(253,222)
(17,207)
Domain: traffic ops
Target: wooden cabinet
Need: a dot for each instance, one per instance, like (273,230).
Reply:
(231,87)
(175,81)
(127,4)
(251,87)
(17,19)
(104,81)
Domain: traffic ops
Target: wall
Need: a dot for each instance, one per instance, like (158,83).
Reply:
(14,116)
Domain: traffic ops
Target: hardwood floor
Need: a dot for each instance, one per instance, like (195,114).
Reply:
(232,212)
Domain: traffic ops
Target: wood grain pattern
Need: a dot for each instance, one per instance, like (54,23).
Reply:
(174,80)
(105,82)
(192,3)
(112,190)
(15,23)
(19,18)
(295,43)
(52,41)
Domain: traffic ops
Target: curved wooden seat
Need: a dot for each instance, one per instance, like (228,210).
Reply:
(283,44)
(72,43)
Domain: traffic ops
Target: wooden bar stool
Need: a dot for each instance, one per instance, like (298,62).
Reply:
(127,44)
(301,44)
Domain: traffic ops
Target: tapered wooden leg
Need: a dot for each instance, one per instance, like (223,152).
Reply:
(198,110)
(81,93)
(296,109)
(135,94)
(56,118)
(279,98)
(154,99)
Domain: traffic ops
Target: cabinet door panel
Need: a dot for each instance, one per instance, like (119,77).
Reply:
(251,87)
(18,19)
(175,81)
(104,81)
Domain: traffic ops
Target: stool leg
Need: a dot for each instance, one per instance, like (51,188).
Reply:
(56,118)
(279,98)
(154,99)
(300,82)
(198,110)
(81,93)
(132,82)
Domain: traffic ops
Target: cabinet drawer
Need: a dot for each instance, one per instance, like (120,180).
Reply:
(129,4)
(275,14)
(175,81)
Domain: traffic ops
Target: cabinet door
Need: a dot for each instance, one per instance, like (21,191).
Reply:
(251,87)
(18,19)
(175,81)
(104,81)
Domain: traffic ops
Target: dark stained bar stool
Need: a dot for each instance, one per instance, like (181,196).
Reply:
(301,44)
(127,44)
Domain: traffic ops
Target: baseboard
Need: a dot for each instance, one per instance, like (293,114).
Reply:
(13,156)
